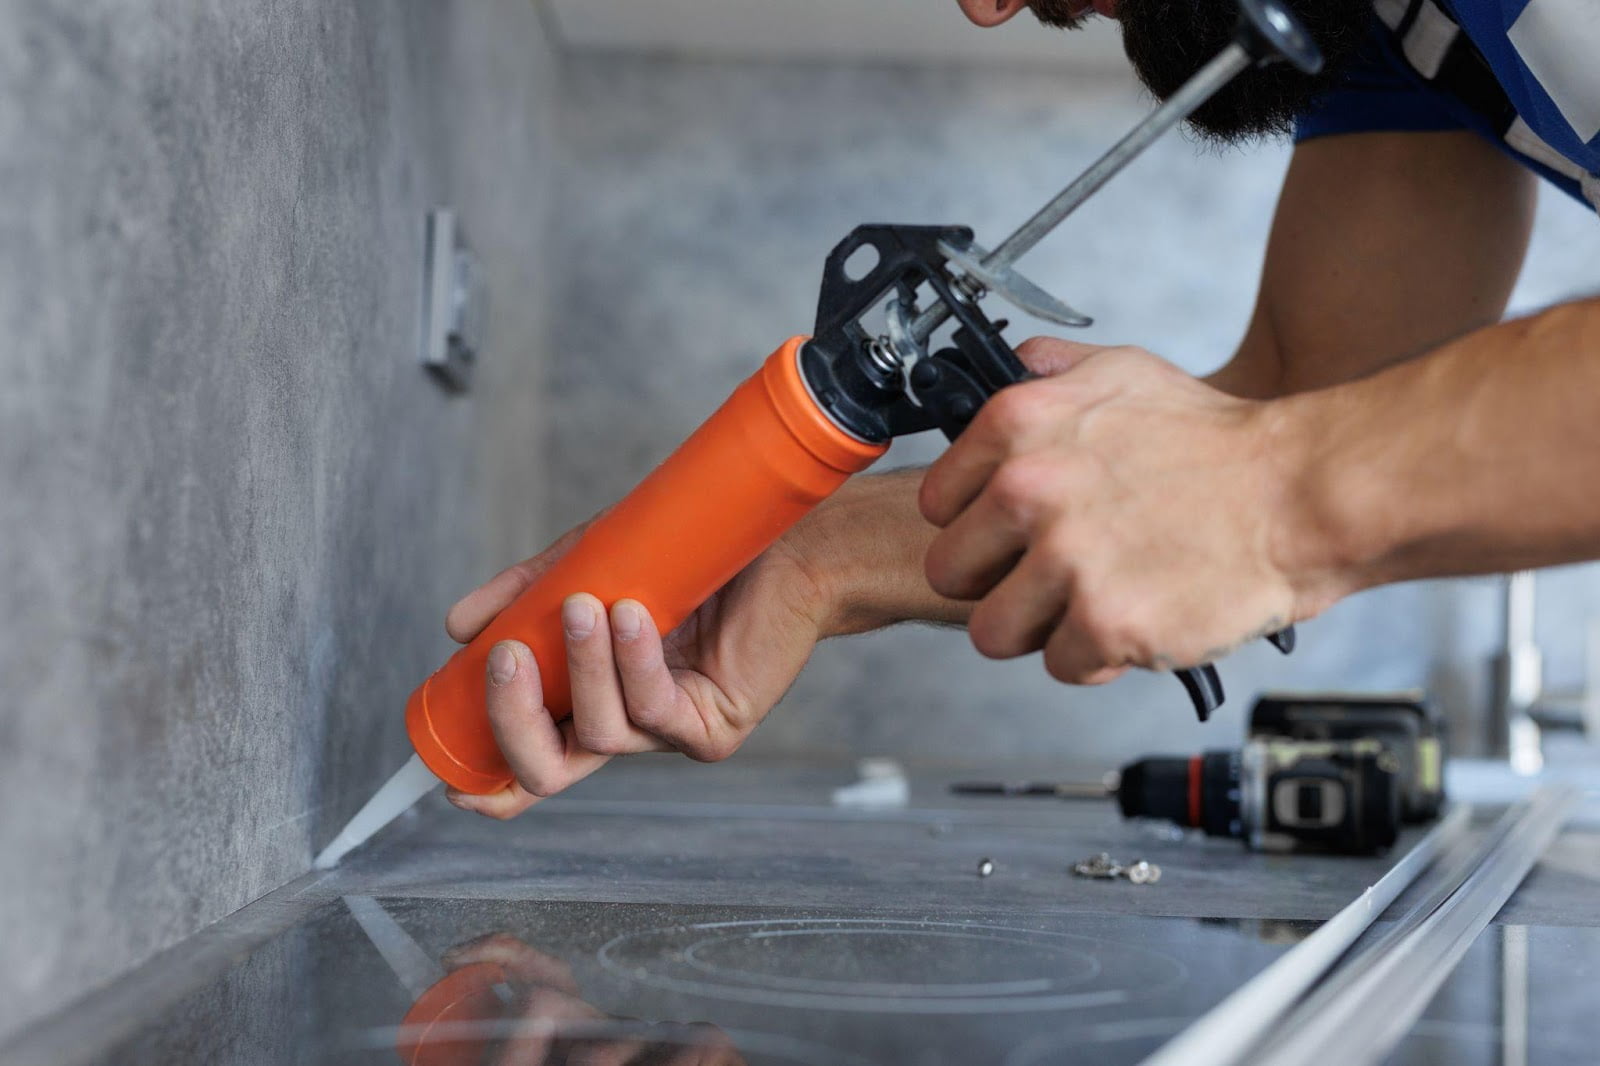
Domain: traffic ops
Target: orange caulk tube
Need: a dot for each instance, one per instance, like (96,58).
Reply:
(452,1023)
(753,469)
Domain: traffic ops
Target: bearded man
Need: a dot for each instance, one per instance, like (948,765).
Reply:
(1379,423)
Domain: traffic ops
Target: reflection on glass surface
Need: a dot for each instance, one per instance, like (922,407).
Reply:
(504,1001)
(446,981)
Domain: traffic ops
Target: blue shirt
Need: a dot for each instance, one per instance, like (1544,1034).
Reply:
(1544,53)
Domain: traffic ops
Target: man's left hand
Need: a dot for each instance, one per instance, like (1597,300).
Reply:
(1115,513)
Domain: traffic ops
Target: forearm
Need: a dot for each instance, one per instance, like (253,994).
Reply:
(1479,457)
(865,548)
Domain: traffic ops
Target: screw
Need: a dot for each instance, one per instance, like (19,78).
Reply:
(985,867)
(1103,867)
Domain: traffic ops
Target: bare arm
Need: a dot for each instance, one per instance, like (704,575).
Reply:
(1482,456)
(1384,246)
(1160,520)
(1079,514)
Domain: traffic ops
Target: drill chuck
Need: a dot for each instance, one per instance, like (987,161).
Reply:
(1199,792)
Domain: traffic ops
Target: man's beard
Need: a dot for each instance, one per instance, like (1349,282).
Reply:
(1169,40)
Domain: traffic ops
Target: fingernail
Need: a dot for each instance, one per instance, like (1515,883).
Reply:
(502,664)
(577,616)
(626,620)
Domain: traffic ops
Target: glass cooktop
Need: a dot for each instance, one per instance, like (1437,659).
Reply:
(446,981)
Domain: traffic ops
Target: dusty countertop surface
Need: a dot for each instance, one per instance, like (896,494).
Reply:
(660,894)
(665,830)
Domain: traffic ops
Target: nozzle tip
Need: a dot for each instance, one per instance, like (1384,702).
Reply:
(329,856)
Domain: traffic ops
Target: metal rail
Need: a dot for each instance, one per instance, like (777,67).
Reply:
(1253,1012)
(1372,1013)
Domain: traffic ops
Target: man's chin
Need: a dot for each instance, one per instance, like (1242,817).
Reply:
(1066,14)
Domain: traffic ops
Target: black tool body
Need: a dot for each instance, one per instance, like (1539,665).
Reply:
(857,380)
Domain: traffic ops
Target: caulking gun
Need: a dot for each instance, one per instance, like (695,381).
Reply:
(819,410)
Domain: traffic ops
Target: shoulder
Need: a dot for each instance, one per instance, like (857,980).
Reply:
(1379,92)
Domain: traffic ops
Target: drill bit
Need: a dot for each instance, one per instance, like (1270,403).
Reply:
(1105,788)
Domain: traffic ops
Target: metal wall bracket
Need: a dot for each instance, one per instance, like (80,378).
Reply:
(453,302)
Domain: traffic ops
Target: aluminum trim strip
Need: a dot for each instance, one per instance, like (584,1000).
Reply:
(1239,1023)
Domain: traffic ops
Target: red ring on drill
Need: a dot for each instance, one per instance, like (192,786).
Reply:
(1195,763)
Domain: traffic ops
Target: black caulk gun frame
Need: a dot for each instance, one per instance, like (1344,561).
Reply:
(943,390)
(890,386)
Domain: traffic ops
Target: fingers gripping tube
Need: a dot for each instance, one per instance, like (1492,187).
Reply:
(754,468)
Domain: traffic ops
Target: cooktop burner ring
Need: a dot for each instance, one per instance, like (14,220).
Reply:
(859,963)
(694,955)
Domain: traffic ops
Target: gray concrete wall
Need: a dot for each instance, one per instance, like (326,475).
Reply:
(699,201)
(234,507)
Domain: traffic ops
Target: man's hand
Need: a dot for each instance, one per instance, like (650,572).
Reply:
(550,1022)
(1117,513)
(699,690)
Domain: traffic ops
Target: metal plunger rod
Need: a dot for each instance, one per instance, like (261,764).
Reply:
(1223,68)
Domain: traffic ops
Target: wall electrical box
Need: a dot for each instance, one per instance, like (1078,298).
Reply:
(453,302)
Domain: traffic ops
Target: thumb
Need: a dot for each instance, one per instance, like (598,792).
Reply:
(1049,356)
